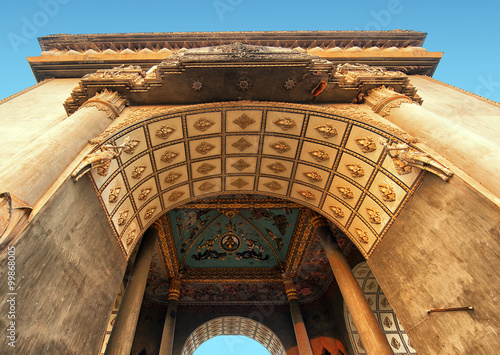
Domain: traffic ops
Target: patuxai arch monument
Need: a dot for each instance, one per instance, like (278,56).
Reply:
(318,192)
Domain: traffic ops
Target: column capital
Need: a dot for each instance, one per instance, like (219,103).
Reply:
(109,101)
(290,290)
(382,99)
(174,290)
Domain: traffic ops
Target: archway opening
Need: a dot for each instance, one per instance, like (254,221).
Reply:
(232,344)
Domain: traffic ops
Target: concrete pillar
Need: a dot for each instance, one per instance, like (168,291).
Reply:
(372,336)
(122,336)
(303,343)
(167,338)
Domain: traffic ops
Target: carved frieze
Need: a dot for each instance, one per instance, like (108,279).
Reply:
(144,193)
(308,195)
(149,212)
(366,144)
(373,216)
(240,165)
(239,183)
(345,192)
(362,236)
(273,185)
(355,170)
(387,192)
(169,156)
(285,123)
(280,146)
(204,147)
(206,186)
(164,132)
(242,144)
(131,146)
(205,168)
(244,121)
(175,195)
(326,130)
(114,192)
(277,167)
(122,217)
(172,177)
(137,171)
(312,176)
(203,124)
(337,211)
(319,155)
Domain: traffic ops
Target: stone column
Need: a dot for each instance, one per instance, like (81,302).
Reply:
(372,336)
(122,336)
(167,338)
(303,343)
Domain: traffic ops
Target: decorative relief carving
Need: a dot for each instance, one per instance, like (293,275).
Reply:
(373,216)
(319,155)
(395,343)
(355,170)
(366,144)
(285,123)
(240,165)
(203,124)
(131,146)
(241,144)
(206,186)
(239,183)
(129,239)
(385,302)
(346,192)
(144,193)
(273,185)
(122,217)
(387,192)
(337,211)
(164,132)
(169,156)
(149,212)
(277,167)
(137,171)
(312,176)
(289,84)
(114,192)
(401,166)
(174,196)
(362,235)
(204,147)
(205,168)
(388,322)
(281,147)
(308,195)
(326,130)
(109,101)
(244,121)
(172,176)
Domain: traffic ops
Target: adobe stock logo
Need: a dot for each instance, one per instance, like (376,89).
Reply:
(223,6)
(383,17)
(30,26)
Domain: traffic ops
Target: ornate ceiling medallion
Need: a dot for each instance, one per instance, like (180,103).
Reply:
(197,85)
(240,165)
(171,177)
(326,130)
(206,186)
(149,212)
(312,176)
(130,236)
(239,183)
(308,195)
(273,185)
(175,195)
(289,84)
(144,193)
(114,192)
(285,123)
(355,170)
(319,155)
(205,168)
(169,156)
(203,124)
(337,211)
(131,146)
(346,192)
(387,193)
(204,147)
(241,144)
(281,147)
(138,170)
(122,217)
(362,236)
(366,144)
(244,121)
(373,216)
(164,132)
(277,167)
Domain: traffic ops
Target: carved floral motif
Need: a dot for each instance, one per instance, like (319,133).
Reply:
(205,168)
(277,167)
(164,132)
(346,192)
(355,170)
(203,124)
(241,144)
(337,211)
(366,144)
(240,165)
(308,195)
(131,146)
(204,147)
(114,192)
(174,196)
(362,235)
(122,217)
(137,171)
(281,147)
(169,156)
(285,123)
(387,193)
(130,236)
(239,183)
(244,121)
(172,176)
(326,130)
(319,155)
(144,193)
(149,212)
(388,322)
(312,176)
(373,216)
(206,186)
(273,185)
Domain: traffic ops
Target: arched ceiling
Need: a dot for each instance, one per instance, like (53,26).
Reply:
(327,159)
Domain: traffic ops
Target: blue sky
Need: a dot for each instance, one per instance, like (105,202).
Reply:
(467,32)
(231,345)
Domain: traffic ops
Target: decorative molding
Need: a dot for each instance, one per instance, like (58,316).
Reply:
(285,123)
(203,124)
(240,165)
(326,130)
(122,217)
(169,156)
(239,183)
(373,216)
(273,185)
(242,144)
(205,168)
(172,177)
(175,195)
(387,192)
(337,211)
(280,146)
(382,99)
(277,167)
(149,212)
(366,144)
(143,195)
(164,132)
(131,146)
(319,155)
(109,101)
(362,236)
(204,147)
(308,195)
(138,170)
(346,192)
(114,193)
(206,186)
(244,121)
(356,170)
(312,176)
(130,236)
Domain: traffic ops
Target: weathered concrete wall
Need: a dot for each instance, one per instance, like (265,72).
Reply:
(68,272)
(444,251)
(30,114)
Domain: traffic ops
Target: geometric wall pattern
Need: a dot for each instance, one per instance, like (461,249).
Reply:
(330,160)
(234,326)
(393,330)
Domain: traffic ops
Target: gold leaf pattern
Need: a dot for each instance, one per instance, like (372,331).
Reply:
(144,193)
(366,144)
(240,165)
(131,146)
(244,121)
(401,167)
(308,195)
(164,132)
(206,186)
(130,236)
(387,193)
(273,185)
(346,192)
(285,123)
(362,235)
(174,196)
(205,168)
(203,124)
(373,216)
(149,212)
(172,176)
(280,147)
(355,170)
(312,176)
(242,144)
(138,170)
(337,211)
(114,192)
(277,167)
(319,155)
(326,130)
(122,217)
(239,183)
(204,147)
(169,156)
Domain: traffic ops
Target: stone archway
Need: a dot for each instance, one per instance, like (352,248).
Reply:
(234,326)
(329,159)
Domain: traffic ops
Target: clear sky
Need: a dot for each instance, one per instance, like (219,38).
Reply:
(231,345)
